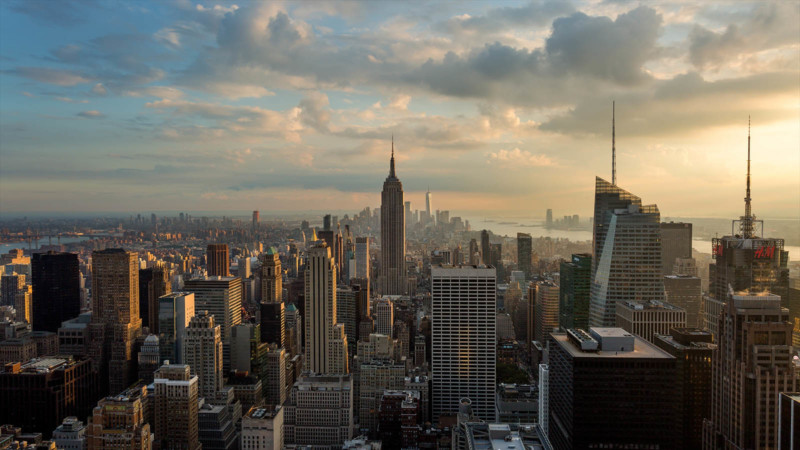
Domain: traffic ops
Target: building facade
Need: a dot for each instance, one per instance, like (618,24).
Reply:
(56,289)
(393,235)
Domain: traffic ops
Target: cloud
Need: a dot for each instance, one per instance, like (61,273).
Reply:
(91,114)
(70,100)
(535,13)
(516,158)
(99,89)
(50,76)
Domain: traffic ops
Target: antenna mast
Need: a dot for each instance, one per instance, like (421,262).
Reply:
(747,223)
(614,144)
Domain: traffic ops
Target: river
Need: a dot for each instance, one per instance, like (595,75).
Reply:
(7,247)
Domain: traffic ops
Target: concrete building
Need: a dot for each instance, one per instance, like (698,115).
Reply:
(362,258)
(463,339)
(271,277)
(684,292)
(325,342)
(218,260)
(175,311)
(393,235)
(119,422)
(149,358)
(319,412)
(217,427)
(610,373)
(70,435)
(499,436)
(646,319)
(116,323)
(546,309)
(676,242)
(383,312)
(262,429)
(72,335)
(517,403)
(175,403)
(347,313)
(203,353)
(398,418)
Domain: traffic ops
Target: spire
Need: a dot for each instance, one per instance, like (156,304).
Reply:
(747,220)
(613,144)
(391,163)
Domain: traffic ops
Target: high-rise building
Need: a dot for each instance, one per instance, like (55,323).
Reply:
(262,428)
(119,422)
(175,404)
(11,284)
(149,358)
(692,349)
(319,412)
(789,420)
(463,339)
(486,248)
(347,313)
(524,253)
(37,394)
(393,235)
(203,353)
(752,364)
(217,426)
(646,319)
(271,277)
(294,330)
(56,289)
(544,398)
(684,291)
(375,376)
(70,435)
(275,386)
(548,221)
(574,292)
(154,282)
(175,310)
(546,309)
(243,268)
(428,204)
(325,342)
(24,304)
(474,253)
(676,242)
(217,260)
(383,312)
(222,298)
(362,258)
(256,219)
(273,324)
(627,258)
(116,322)
(398,418)
(610,373)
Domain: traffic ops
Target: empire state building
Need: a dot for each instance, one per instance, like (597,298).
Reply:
(393,235)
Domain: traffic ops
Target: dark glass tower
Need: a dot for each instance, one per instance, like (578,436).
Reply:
(56,289)
(573,308)
(524,251)
(153,283)
(393,235)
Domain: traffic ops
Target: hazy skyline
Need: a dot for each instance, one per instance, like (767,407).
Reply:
(501,108)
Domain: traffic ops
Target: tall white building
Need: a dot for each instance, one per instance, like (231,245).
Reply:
(464,339)
(428,210)
(383,312)
(325,340)
(203,353)
(544,398)
(175,310)
(362,258)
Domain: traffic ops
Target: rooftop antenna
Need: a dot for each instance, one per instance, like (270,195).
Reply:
(747,223)
(613,144)
(391,168)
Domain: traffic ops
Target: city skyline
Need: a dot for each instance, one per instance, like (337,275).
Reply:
(206,107)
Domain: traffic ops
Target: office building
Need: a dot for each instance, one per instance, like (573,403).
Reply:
(398,418)
(684,291)
(244,268)
(525,253)
(274,387)
(70,435)
(222,298)
(676,242)
(56,289)
(646,319)
(463,339)
(175,403)
(752,364)
(474,253)
(247,389)
(362,258)
(271,277)
(119,421)
(486,248)
(788,420)
(375,377)
(175,310)
(262,428)
(217,260)
(610,373)
(574,292)
(627,258)
(273,323)
(497,436)
(38,393)
(517,403)
(72,336)
(24,304)
(294,330)
(546,309)
(116,323)
(692,349)
(325,341)
(149,358)
(203,353)
(393,235)
(11,284)
(428,204)
(347,307)
(544,398)
(216,427)
(154,283)
(319,412)
(383,312)
(256,219)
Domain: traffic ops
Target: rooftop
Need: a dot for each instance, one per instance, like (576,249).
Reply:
(495,436)
(651,305)
(641,347)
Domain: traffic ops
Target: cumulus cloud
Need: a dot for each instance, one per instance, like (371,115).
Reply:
(91,114)
(516,158)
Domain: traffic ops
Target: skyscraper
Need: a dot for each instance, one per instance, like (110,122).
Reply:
(393,235)
(474,253)
(752,364)
(175,404)
(610,389)
(548,221)
(154,283)
(627,256)
(428,206)
(647,319)
(256,218)
(116,322)
(546,309)
(56,289)
(175,311)
(11,284)
(217,260)
(271,277)
(383,311)
(486,248)
(325,342)
(203,353)
(524,253)
(684,291)
(574,293)
(463,339)
(676,242)
(362,258)
(222,298)
(319,411)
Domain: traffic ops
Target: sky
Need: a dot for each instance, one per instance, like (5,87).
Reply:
(501,109)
